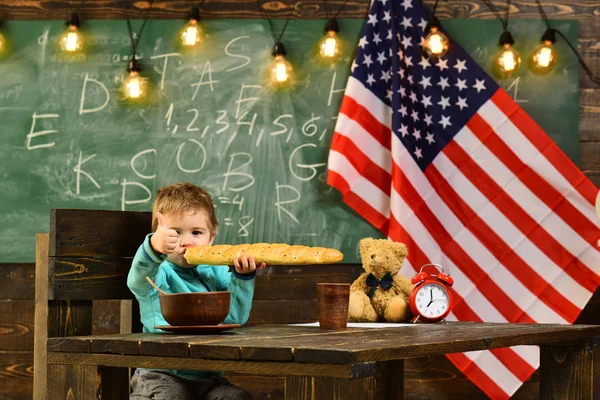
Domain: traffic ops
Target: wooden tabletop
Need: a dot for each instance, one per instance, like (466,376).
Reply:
(309,344)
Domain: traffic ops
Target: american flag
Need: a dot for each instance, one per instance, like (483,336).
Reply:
(437,156)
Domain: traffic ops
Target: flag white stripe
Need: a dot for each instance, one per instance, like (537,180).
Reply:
(530,155)
(491,366)
(480,305)
(470,244)
(471,295)
(531,354)
(510,234)
(527,200)
(363,96)
(420,235)
(361,186)
(367,144)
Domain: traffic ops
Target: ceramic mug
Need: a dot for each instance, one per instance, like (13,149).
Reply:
(332,305)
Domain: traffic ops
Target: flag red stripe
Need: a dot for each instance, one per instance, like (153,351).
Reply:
(362,116)
(535,233)
(477,376)
(508,357)
(515,363)
(363,164)
(542,189)
(501,301)
(496,245)
(546,146)
(417,258)
(357,203)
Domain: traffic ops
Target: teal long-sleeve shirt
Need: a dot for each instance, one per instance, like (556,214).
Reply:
(174,279)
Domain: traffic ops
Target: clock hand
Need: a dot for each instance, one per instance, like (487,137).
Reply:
(430,297)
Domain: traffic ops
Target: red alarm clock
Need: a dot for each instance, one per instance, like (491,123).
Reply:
(431,299)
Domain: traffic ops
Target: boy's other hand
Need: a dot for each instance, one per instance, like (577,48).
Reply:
(164,240)
(246,265)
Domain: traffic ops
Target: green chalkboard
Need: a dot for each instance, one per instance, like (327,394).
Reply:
(70,141)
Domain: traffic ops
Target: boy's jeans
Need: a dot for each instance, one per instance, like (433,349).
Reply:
(163,385)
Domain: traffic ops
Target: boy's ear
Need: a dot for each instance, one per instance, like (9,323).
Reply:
(212,238)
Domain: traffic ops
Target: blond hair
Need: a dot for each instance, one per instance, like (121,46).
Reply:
(181,197)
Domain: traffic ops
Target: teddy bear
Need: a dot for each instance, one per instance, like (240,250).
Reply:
(380,293)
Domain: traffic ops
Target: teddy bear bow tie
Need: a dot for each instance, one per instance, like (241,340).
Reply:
(373,283)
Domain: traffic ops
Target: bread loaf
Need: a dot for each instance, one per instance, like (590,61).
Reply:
(272,254)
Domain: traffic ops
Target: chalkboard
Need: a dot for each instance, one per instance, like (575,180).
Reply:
(70,141)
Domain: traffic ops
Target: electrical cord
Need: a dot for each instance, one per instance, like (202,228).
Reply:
(134,42)
(276,38)
(585,67)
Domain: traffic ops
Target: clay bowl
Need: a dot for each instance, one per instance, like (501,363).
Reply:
(193,309)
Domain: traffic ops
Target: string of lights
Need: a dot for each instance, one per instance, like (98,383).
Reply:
(330,47)
(281,71)
(544,56)
(509,59)
(435,44)
(192,34)
(2,41)
(135,86)
(72,40)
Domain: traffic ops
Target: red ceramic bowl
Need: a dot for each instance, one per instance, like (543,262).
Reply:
(193,309)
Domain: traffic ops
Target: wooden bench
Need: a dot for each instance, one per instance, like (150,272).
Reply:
(85,257)
(84,260)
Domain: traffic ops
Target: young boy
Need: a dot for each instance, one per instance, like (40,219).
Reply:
(184,216)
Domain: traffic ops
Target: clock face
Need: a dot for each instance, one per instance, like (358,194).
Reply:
(432,300)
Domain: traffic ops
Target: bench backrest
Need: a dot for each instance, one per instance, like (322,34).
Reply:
(90,252)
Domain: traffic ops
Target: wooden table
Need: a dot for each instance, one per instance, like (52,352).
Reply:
(356,363)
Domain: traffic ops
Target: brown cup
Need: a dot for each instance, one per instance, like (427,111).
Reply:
(332,305)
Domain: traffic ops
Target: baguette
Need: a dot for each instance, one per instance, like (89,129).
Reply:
(272,254)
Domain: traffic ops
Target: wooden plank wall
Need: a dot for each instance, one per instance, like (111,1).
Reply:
(16,330)
(427,378)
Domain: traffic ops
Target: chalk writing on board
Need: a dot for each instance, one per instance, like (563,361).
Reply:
(138,155)
(33,133)
(515,94)
(83,110)
(280,202)
(80,171)
(213,120)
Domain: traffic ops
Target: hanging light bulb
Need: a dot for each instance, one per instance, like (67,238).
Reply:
(191,34)
(135,85)
(72,40)
(281,70)
(436,44)
(2,43)
(508,60)
(544,57)
(330,47)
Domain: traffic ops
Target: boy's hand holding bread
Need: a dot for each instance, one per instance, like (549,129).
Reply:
(244,265)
